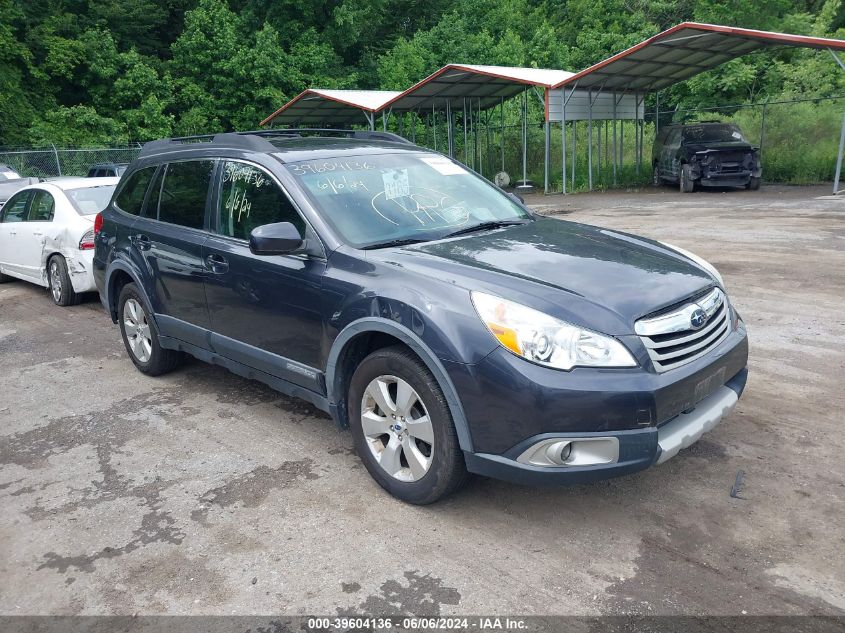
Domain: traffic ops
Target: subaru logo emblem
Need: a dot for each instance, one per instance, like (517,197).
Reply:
(697,319)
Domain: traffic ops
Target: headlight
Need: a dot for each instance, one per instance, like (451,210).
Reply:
(546,340)
(710,268)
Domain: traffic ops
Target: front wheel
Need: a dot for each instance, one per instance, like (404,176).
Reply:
(753,183)
(140,335)
(656,180)
(687,184)
(402,427)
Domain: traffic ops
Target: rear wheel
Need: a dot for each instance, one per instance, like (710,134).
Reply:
(140,335)
(403,429)
(58,281)
(753,183)
(687,184)
(5,278)
(656,180)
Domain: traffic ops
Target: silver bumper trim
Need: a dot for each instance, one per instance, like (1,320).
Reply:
(687,428)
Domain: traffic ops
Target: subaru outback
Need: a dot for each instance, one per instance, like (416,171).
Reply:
(452,329)
(707,154)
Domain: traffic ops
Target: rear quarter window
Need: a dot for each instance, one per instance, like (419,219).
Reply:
(184,193)
(131,197)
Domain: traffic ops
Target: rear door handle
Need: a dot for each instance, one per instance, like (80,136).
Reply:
(217,264)
(142,241)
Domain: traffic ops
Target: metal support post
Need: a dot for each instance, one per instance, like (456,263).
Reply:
(839,158)
(590,140)
(502,134)
(615,153)
(524,135)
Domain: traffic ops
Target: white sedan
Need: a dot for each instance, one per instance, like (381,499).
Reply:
(47,235)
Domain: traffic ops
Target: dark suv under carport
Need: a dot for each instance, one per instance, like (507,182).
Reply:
(709,154)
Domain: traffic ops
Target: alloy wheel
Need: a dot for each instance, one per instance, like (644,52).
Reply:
(55,281)
(397,428)
(137,330)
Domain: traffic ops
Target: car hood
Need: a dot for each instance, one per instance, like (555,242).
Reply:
(573,271)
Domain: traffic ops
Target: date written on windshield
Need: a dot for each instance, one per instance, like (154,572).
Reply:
(341,184)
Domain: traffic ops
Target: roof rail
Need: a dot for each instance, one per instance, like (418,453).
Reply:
(236,140)
(256,140)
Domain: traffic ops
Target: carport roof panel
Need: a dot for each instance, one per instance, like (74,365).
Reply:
(489,84)
(331,106)
(681,52)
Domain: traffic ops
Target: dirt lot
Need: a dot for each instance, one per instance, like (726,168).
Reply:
(201,492)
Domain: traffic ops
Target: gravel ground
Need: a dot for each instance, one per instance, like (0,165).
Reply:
(201,492)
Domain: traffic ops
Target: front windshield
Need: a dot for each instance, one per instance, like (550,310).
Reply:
(90,200)
(712,134)
(379,199)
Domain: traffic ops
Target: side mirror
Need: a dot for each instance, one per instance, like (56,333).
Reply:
(275,239)
(515,197)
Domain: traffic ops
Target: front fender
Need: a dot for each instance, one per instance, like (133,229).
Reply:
(334,386)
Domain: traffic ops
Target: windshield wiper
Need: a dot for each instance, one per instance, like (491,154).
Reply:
(389,243)
(485,226)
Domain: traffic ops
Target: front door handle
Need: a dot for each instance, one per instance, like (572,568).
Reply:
(142,241)
(217,264)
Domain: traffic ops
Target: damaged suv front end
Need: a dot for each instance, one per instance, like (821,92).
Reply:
(708,154)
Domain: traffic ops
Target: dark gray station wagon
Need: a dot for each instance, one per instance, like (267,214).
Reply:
(448,326)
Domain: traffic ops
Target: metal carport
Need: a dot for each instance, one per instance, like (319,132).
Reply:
(675,55)
(332,107)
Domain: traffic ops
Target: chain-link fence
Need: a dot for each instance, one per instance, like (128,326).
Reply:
(47,163)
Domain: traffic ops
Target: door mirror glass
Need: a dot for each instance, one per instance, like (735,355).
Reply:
(279,238)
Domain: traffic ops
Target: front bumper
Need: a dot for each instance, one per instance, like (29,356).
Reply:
(638,448)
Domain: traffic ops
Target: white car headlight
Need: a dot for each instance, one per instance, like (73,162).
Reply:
(546,340)
(710,268)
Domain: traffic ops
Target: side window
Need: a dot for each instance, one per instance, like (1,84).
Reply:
(15,208)
(131,196)
(42,207)
(250,198)
(184,192)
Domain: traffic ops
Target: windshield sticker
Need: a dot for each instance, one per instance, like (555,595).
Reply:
(396,183)
(321,167)
(425,207)
(444,166)
(736,135)
(343,184)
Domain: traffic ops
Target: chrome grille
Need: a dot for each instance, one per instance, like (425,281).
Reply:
(671,339)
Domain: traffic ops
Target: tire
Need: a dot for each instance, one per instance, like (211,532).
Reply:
(140,335)
(5,278)
(685,181)
(754,183)
(417,464)
(656,180)
(58,281)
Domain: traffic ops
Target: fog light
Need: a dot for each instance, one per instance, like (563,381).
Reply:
(572,451)
(565,452)
(557,452)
